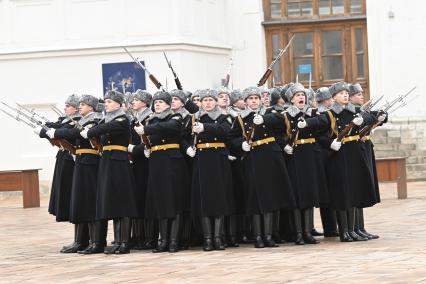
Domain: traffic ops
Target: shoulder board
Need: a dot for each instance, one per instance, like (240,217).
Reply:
(120,119)
(273,111)
(229,119)
(90,125)
(177,117)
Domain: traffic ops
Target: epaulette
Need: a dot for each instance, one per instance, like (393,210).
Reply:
(273,111)
(229,119)
(120,119)
(90,125)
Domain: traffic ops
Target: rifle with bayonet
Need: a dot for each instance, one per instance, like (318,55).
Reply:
(169,63)
(228,74)
(268,71)
(150,75)
(33,123)
(93,141)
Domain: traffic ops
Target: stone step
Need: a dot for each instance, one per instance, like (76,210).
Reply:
(416,175)
(416,168)
(393,147)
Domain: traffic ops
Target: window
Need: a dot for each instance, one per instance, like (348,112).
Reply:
(276,48)
(359,53)
(356,7)
(275,8)
(299,8)
(332,55)
(331,7)
(303,56)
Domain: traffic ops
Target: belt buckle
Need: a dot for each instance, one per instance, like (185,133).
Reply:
(207,145)
(350,138)
(302,141)
(155,148)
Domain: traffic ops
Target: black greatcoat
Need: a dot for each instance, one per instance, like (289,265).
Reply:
(60,194)
(83,192)
(212,193)
(267,183)
(116,185)
(349,178)
(168,173)
(140,167)
(302,164)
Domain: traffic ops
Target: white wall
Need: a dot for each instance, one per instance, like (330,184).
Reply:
(396,47)
(52,48)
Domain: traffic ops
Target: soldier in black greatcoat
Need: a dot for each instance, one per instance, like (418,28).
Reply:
(144,232)
(267,183)
(115,190)
(349,178)
(60,195)
(212,196)
(168,176)
(356,97)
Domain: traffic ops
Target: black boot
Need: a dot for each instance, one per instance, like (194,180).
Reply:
(362,227)
(257,232)
(163,245)
(267,223)
(357,227)
(185,232)
(81,241)
(232,231)
(329,222)
(351,226)
(137,239)
(276,236)
(314,232)
(97,232)
(207,233)
(342,221)
(246,229)
(125,231)
(117,238)
(298,227)
(308,224)
(151,234)
(174,232)
(218,225)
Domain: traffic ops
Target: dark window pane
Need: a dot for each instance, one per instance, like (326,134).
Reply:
(324,7)
(307,9)
(275,8)
(294,9)
(358,40)
(338,7)
(302,44)
(275,52)
(301,65)
(360,65)
(356,7)
(331,42)
(332,67)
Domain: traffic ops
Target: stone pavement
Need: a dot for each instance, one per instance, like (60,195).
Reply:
(30,241)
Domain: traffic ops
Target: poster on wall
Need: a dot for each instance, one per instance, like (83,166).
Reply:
(123,77)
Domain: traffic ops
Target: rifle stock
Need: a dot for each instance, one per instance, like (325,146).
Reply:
(345,131)
(264,78)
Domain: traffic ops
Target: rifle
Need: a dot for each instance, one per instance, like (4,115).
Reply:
(371,103)
(268,71)
(228,74)
(58,111)
(294,134)
(151,77)
(93,141)
(61,143)
(144,137)
(169,63)
(32,112)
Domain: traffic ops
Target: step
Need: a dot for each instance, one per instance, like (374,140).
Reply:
(416,168)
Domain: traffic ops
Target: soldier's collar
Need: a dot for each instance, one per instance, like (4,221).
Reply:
(351,107)
(74,116)
(293,110)
(322,108)
(88,117)
(161,115)
(183,112)
(234,111)
(142,115)
(278,107)
(213,114)
(110,116)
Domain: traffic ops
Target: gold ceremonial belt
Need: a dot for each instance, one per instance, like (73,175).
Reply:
(164,147)
(86,151)
(210,145)
(350,138)
(305,141)
(365,138)
(114,147)
(263,141)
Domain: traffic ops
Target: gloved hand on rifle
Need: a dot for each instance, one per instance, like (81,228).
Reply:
(231,158)
(288,149)
(51,133)
(130,148)
(140,129)
(198,127)
(83,133)
(147,153)
(358,120)
(191,151)
(37,130)
(335,145)
(246,146)
(258,119)
(382,117)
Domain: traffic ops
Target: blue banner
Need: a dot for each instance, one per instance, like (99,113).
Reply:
(305,68)
(123,77)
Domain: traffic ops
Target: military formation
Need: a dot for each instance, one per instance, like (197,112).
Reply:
(214,168)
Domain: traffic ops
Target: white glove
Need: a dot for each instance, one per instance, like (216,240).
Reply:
(191,152)
(246,146)
(83,133)
(335,145)
(73,157)
(372,131)
(231,158)
(51,133)
(381,117)
(140,129)
(37,130)
(288,149)
(198,127)
(358,120)
(258,119)
(130,148)
(302,124)
(147,153)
